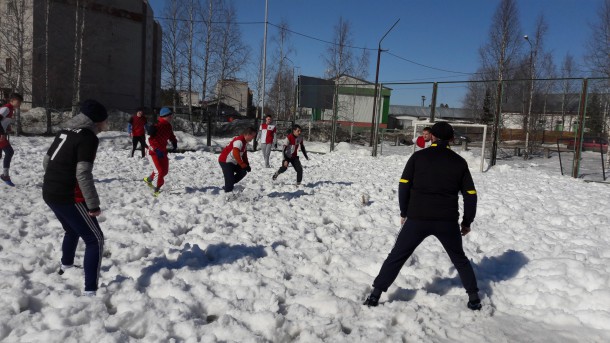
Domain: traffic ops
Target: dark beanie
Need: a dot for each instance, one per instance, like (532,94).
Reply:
(94,110)
(442,130)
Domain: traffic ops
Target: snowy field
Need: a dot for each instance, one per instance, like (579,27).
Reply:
(282,263)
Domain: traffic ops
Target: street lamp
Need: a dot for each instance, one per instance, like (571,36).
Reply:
(529,108)
(423,100)
(373,130)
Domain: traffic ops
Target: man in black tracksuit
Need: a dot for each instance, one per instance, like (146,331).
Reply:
(428,195)
(69,190)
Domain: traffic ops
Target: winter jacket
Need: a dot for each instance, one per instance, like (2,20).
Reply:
(430,183)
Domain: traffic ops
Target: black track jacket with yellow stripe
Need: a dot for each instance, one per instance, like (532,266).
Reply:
(430,183)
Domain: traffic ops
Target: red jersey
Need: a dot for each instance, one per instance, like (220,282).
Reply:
(164,133)
(267,133)
(228,156)
(137,125)
(291,145)
(6,115)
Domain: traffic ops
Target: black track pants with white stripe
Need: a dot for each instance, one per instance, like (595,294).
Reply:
(77,224)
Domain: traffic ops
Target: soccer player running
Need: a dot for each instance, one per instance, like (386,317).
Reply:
(290,149)
(6,118)
(428,196)
(160,134)
(69,190)
(233,159)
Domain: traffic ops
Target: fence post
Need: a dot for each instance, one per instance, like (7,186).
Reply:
(433,102)
(495,133)
(582,110)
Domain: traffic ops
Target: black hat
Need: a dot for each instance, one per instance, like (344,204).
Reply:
(94,110)
(442,130)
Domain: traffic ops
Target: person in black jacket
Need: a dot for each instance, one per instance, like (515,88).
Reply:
(69,190)
(428,195)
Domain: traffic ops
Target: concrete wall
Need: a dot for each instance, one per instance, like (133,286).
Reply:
(121,62)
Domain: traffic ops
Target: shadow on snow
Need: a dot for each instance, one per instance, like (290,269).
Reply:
(192,257)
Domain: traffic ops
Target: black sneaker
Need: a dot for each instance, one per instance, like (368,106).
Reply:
(274,176)
(474,305)
(371,301)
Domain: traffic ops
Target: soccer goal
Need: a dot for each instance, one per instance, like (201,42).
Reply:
(470,133)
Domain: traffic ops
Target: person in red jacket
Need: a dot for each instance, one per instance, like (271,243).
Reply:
(290,149)
(6,118)
(234,159)
(422,141)
(137,131)
(160,134)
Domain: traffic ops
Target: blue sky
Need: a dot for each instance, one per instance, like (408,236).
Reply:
(443,34)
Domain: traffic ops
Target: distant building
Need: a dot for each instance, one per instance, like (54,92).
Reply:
(235,94)
(184,98)
(401,116)
(355,98)
(121,55)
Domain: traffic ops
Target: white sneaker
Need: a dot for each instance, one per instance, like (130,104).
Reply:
(89,293)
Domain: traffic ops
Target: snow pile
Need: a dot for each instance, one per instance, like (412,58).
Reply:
(282,263)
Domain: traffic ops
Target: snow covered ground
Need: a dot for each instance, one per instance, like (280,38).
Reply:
(282,263)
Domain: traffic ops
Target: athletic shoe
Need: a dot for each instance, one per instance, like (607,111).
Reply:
(298,184)
(474,305)
(156,192)
(7,180)
(89,293)
(371,301)
(63,268)
(148,181)
(275,176)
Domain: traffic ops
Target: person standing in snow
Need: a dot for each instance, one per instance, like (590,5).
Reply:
(267,137)
(160,134)
(233,159)
(290,149)
(68,189)
(428,196)
(422,141)
(6,118)
(137,131)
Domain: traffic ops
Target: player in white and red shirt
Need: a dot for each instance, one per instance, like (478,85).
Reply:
(290,149)
(266,136)
(422,141)
(234,159)
(6,118)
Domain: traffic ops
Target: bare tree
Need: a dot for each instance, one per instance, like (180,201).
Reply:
(231,54)
(339,58)
(16,40)
(192,8)
(79,33)
(598,46)
(504,45)
(172,39)
(281,90)
(46,67)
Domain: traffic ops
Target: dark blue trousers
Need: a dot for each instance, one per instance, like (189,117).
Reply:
(232,174)
(8,156)
(414,232)
(77,224)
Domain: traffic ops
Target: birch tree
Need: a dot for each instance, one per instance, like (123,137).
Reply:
(79,35)
(173,37)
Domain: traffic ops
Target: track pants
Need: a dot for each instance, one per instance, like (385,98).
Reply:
(138,139)
(266,149)
(77,224)
(411,235)
(8,155)
(296,164)
(232,174)
(161,168)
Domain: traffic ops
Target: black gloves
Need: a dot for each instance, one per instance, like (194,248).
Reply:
(248,168)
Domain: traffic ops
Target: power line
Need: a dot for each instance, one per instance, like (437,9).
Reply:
(321,40)
(213,22)
(429,67)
